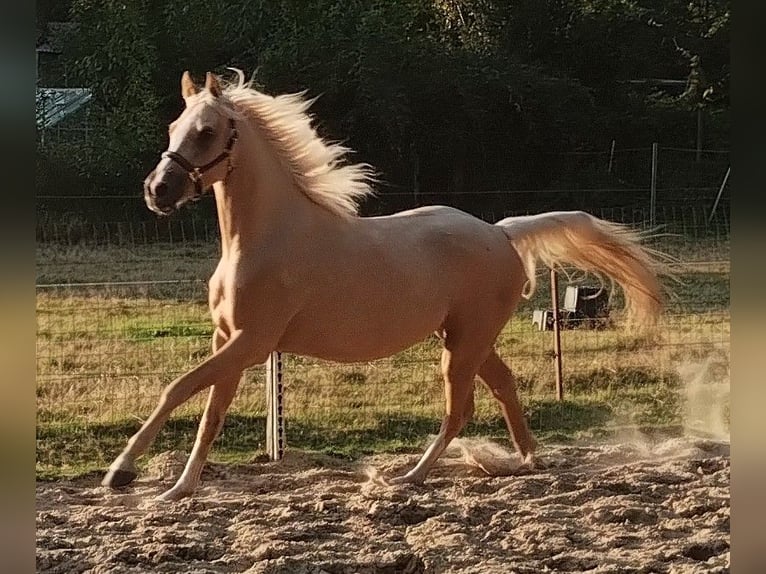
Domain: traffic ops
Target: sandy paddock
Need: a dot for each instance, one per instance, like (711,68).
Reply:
(627,507)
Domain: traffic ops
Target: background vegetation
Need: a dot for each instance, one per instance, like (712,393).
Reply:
(444,97)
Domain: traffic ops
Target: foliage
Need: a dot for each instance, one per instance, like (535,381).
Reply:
(440,95)
(114,55)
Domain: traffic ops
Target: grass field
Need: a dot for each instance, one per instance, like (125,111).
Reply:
(104,352)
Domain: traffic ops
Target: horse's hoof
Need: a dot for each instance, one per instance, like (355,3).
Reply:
(172,495)
(118,478)
(405,480)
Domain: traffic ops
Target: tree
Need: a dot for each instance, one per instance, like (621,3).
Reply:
(114,54)
(442,96)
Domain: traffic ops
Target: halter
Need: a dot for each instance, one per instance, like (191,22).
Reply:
(196,172)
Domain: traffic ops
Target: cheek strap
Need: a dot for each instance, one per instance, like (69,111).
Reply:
(195,173)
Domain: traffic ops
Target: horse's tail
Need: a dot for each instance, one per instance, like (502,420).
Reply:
(596,246)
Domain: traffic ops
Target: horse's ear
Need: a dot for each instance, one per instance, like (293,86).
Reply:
(188,88)
(212,85)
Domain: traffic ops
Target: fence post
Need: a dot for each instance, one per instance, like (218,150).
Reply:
(653,197)
(718,197)
(556,335)
(275,422)
(698,156)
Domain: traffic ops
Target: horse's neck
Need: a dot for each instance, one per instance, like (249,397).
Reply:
(257,197)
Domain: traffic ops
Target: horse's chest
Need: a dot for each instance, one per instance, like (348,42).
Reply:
(235,295)
(223,295)
(224,299)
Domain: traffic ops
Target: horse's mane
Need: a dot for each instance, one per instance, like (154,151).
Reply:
(317,166)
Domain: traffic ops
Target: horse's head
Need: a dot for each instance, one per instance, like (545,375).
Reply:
(199,152)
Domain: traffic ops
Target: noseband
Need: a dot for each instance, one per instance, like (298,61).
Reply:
(196,172)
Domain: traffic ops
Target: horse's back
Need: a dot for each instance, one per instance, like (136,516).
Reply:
(437,215)
(438,227)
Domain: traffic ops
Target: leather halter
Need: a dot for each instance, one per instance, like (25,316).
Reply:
(196,172)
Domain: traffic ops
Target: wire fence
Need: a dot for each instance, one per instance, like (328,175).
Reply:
(105,352)
(123,311)
(690,220)
(680,187)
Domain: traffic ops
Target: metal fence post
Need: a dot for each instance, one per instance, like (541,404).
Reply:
(556,335)
(653,197)
(275,422)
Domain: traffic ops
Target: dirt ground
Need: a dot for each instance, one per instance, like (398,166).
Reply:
(623,507)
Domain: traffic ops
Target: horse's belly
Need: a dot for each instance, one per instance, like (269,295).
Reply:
(369,334)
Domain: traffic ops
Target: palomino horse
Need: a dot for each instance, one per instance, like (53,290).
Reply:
(301,272)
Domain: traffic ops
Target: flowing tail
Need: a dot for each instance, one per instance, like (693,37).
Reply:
(596,246)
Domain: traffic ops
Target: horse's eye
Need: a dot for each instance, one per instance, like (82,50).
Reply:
(206,132)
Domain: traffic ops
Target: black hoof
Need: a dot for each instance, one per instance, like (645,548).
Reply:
(118,478)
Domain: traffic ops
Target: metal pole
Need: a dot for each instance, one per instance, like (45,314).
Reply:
(415,174)
(718,197)
(699,133)
(556,335)
(653,197)
(275,422)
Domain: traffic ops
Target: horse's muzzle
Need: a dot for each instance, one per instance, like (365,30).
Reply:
(160,196)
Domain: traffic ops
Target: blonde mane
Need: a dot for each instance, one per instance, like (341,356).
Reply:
(317,166)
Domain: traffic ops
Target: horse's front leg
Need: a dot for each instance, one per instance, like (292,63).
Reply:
(221,395)
(225,366)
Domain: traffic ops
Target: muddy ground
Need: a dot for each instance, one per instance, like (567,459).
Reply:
(627,507)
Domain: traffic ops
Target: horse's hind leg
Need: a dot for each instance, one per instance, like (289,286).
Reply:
(498,377)
(458,388)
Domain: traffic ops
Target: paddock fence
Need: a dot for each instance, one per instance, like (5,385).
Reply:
(119,316)
(676,187)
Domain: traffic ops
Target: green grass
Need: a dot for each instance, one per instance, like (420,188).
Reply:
(104,353)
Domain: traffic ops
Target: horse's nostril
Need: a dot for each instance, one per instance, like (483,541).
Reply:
(160,189)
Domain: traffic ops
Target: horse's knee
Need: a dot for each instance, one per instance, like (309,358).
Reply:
(454,422)
(180,390)
(211,422)
(219,339)
(451,426)
(500,392)
(170,395)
